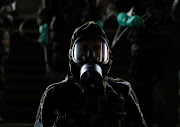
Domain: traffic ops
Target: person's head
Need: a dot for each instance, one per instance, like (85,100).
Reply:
(4,37)
(4,42)
(89,54)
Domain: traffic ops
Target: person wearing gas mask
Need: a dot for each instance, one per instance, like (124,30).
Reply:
(88,97)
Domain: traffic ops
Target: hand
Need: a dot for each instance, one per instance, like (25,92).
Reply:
(100,23)
(44,37)
(122,18)
(135,21)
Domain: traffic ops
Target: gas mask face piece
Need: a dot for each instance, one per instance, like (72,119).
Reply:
(90,55)
(90,51)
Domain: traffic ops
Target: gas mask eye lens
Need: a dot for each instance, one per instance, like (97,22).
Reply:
(90,51)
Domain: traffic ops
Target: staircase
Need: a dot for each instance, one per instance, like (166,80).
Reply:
(24,73)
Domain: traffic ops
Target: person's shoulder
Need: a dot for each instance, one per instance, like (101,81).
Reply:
(119,84)
(56,87)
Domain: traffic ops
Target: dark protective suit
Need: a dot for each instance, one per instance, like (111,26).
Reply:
(64,104)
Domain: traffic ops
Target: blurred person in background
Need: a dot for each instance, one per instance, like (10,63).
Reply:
(6,24)
(57,20)
(154,56)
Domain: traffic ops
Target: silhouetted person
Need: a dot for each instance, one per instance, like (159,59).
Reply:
(88,97)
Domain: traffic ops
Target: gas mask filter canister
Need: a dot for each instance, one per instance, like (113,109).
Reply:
(91,77)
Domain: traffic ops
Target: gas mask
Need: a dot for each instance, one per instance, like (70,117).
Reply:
(90,55)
